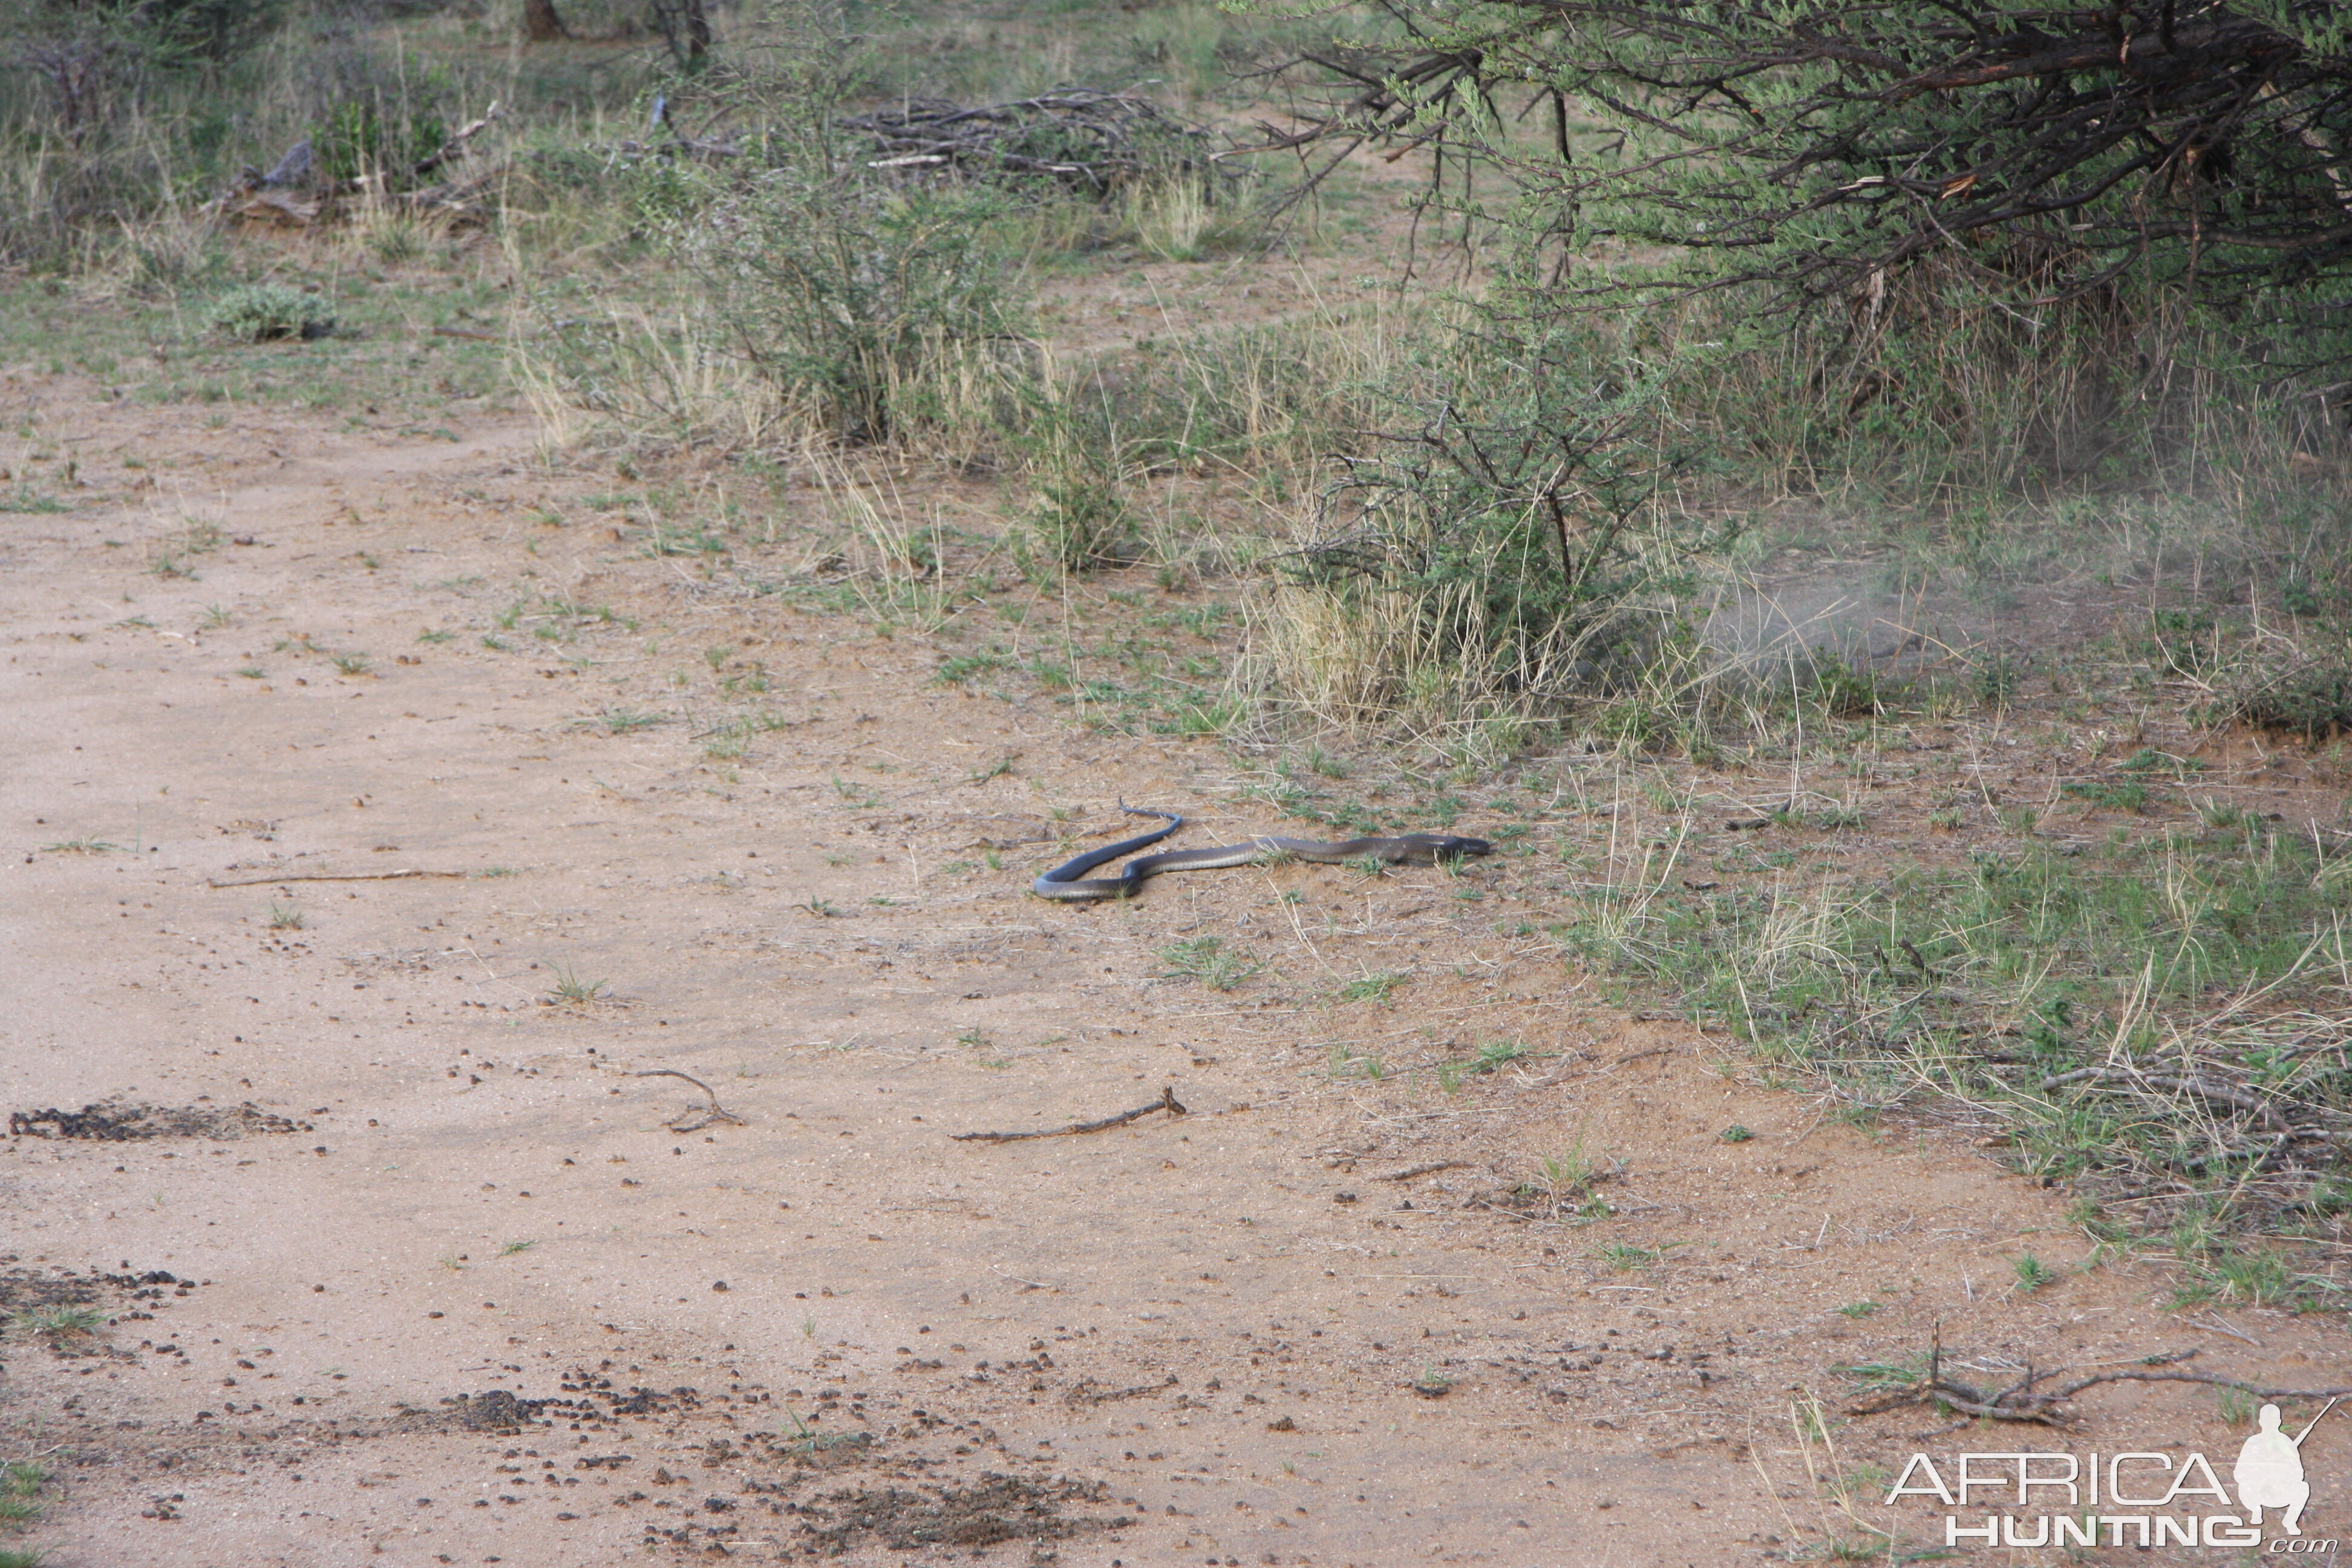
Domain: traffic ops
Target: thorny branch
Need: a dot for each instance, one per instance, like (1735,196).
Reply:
(1813,146)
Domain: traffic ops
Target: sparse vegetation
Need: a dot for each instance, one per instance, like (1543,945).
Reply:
(21,1484)
(1381,985)
(2142,950)
(1210,961)
(61,1322)
(1929,686)
(571,991)
(627,721)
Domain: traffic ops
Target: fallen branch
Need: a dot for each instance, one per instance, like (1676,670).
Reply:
(331,877)
(272,195)
(1167,1103)
(452,201)
(453,147)
(695,146)
(2256,1390)
(2214,1323)
(678,1123)
(2204,1089)
(2018,1402)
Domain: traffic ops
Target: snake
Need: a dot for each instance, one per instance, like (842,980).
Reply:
(1070,883)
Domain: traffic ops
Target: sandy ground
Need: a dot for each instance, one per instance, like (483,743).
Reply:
(1239,1336)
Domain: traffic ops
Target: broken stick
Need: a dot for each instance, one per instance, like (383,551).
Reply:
(2020,1402)
(2220,1093)
(1167,1103)
(329,877)
(678,1123)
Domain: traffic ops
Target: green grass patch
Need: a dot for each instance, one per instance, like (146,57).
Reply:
(1381,985)
(2149,1015)
(1208,959)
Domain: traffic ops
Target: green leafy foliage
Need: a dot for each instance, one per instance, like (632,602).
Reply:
(1818,149)
(359,138)
(1969,246)
(854,296)
(261,312)
(1507,543)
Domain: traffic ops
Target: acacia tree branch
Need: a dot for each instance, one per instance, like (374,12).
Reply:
(1808,152)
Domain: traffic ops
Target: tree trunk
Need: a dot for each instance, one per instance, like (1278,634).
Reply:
(687,30)
(542,23)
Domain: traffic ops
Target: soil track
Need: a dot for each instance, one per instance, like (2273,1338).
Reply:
(513,1317)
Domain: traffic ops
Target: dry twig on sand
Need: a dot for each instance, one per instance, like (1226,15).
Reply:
(2021,1401)
(1425,1169)
(329,877)
(679,1123)
(1167,1103)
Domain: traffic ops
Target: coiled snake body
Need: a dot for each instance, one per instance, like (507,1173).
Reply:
(1070,883)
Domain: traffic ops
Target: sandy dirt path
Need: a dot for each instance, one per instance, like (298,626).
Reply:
(827,1325)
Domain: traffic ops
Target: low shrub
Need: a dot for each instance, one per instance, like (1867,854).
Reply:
(263,312)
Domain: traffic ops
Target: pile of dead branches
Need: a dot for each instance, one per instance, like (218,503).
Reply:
(293,193)
(1080,137)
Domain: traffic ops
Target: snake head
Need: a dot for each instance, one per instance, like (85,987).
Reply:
(1446,846)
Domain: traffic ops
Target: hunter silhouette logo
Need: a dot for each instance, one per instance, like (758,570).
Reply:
(2137,1499)
(2269,1472)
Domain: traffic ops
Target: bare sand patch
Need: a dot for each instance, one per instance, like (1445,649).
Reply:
(513,1315)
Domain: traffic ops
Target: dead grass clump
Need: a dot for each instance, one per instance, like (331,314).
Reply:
(654,373)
